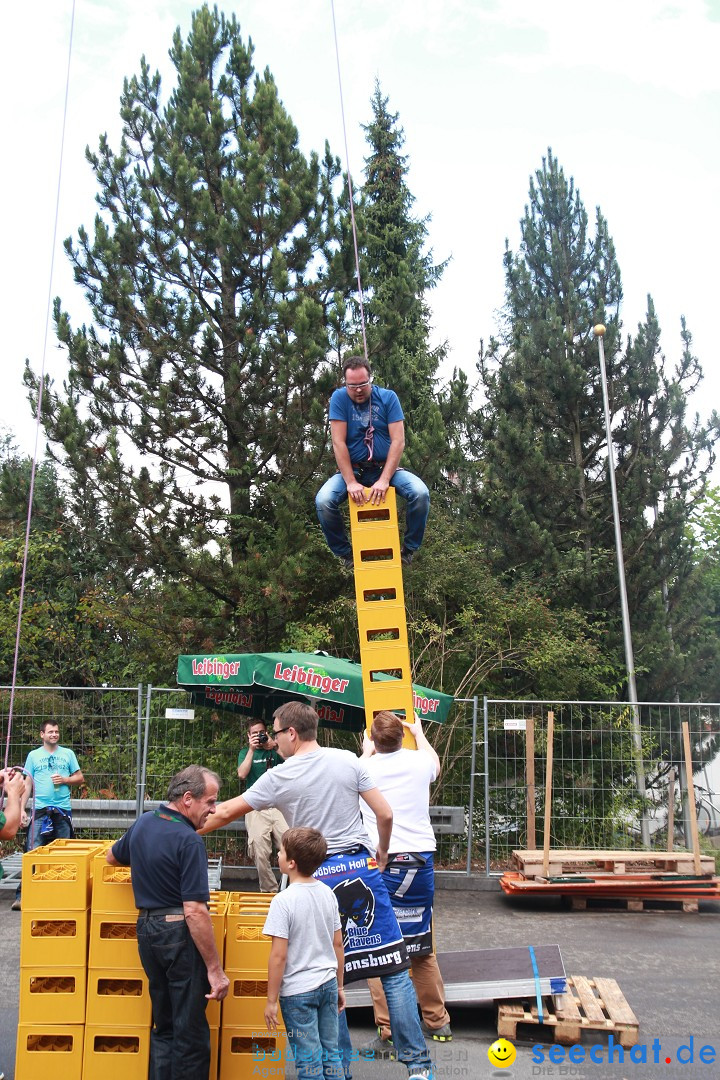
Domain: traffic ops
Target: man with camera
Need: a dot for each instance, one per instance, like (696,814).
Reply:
(263,826)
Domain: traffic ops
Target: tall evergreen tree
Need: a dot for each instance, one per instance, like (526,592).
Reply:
(547,495)
(193,413)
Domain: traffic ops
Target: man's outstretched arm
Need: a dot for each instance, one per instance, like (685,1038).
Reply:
(225,812)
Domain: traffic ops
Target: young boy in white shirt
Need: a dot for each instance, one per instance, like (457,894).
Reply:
(306,965)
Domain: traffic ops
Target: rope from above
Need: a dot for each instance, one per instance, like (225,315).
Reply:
(350,188)
(38,413)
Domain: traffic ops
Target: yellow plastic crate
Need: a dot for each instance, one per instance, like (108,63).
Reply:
(112,887)
(244,1005)
(117,996)
(49,1051)
(115,1052)
(218,915)
(214,1053)
(57,879)
(113,940)
(247,1053)
(249,898)
(54,994)
(54,938)
(246,947)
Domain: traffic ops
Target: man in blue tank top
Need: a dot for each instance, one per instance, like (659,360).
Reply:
(368,439)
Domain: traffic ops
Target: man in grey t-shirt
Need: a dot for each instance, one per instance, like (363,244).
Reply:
(320,788)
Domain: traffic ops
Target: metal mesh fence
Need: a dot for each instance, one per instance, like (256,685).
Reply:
(99,724)
(490,798)
(616,778)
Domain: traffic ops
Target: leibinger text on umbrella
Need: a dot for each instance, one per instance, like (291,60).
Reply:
(309,677)
(212,666)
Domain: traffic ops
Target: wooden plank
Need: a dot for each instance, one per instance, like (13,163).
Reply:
(691,796)
(614,1001)
(566,1006)
(671,810)
(586,997)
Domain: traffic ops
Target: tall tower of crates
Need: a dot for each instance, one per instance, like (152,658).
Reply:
(380,600)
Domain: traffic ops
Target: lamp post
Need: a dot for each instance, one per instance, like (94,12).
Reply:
(599,332)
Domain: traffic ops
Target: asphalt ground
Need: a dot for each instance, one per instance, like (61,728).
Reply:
(667,965)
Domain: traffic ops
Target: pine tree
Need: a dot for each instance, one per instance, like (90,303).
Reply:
(193,414)
(547,495)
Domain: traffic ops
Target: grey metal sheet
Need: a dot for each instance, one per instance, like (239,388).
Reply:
(489,974)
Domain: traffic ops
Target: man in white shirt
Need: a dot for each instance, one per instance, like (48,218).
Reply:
(404,778)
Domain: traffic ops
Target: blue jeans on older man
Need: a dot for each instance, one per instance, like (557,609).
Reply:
(311,1020)
(178,983)
(333,494)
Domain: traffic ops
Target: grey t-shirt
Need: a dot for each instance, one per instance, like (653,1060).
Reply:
(319,790)
(306,915)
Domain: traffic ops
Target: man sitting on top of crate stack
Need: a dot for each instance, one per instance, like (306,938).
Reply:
(368,439)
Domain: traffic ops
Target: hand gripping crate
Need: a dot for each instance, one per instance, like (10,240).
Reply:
(112,886)
(54,938)
(52,992)
(118,997)
(115,1053)
(49,1051)
(246,1055)
(113,940)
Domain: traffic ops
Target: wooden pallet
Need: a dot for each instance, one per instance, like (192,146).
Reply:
(631,903)
(588,1005)
(616,862)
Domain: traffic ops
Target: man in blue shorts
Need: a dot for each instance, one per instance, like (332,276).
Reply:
(368,438)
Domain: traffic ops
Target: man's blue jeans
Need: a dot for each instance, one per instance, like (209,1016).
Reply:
(333,494)
(180,1039)
(311,1020)
(408,1039)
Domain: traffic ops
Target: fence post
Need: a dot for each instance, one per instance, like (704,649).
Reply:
(146,739)
(486,774)
(468,864)
(138,757)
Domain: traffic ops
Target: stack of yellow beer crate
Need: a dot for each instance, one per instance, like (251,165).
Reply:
(93,1012)
(117,1032)
(246,1047)
(56,894)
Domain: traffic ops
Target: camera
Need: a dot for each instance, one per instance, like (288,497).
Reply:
(262,736)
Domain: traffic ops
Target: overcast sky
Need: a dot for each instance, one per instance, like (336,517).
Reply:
(626,93)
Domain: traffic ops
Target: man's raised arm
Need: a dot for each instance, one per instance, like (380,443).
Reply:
(225,812)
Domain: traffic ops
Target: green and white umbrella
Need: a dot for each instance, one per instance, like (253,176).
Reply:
(257,683)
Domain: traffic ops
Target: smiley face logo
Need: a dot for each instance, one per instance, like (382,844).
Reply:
(502,1053)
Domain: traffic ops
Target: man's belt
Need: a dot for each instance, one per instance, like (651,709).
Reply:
(367,464)
(161,911)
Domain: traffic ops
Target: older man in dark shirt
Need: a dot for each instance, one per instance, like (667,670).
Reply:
(174,932)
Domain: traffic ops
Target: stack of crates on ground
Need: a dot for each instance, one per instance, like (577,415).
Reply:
(117,1033)
(56,895)
(218,914)
(246,1047)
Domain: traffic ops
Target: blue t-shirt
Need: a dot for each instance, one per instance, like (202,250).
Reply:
(386,409)
(167,858)
(41,765)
